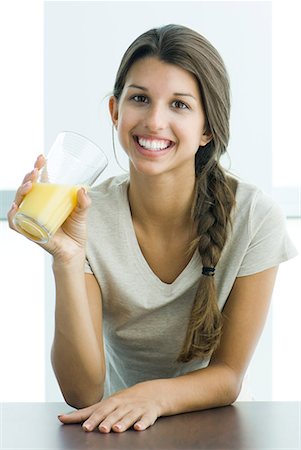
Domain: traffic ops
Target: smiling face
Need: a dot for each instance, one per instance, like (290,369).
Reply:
(159,117)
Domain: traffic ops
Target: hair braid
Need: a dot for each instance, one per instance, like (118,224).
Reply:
(214,199)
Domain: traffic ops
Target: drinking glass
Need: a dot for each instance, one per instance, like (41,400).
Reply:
(72,162)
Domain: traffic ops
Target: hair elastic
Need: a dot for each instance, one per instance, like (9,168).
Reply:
(208,271)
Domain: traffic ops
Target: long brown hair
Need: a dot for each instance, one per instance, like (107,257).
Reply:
(214,189)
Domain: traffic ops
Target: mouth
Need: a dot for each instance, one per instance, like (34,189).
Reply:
(150,145)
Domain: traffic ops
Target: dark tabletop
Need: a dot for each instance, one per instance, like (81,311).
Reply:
(243,426)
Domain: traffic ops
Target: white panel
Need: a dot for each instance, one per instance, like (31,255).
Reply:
(22,347)
(286,93)
(22,344)
(21,88)
(286,324)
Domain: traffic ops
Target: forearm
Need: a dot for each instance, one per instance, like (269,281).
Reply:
(213,386)
(141,404)
(77,352)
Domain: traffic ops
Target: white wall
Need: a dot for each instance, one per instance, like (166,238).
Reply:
(84,42)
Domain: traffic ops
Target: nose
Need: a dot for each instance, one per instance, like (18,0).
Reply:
(155,118)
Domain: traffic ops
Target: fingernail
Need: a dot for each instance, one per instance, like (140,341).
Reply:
(27,184)
(87,427)
(14,205)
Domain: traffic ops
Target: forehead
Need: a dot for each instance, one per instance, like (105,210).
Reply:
(150,72)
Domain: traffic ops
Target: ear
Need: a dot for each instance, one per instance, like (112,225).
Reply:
(206,137)
(113,107)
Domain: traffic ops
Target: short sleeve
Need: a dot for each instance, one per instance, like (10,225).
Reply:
(269,242)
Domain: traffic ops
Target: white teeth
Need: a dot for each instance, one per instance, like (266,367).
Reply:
(155,145)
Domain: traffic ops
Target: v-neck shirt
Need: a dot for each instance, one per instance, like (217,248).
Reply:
(145,319)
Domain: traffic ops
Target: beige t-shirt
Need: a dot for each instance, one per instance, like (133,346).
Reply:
(145,319)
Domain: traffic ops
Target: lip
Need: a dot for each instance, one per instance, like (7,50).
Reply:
(152,137)
(152,153)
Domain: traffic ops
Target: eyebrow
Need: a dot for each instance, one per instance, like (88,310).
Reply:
(180,94)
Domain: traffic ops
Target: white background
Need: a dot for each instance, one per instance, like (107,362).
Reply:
(22,307)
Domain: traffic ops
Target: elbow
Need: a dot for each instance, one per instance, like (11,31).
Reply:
(79,400)
(80,403)
(79,397)
(233,387)
(233,393)
(79,391)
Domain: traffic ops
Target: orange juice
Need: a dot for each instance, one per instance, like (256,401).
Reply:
(44,209)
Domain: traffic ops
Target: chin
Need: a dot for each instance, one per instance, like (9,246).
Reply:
(147,168)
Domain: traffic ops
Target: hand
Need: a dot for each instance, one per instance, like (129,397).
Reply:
(24,189)
(138,406)
(70,239)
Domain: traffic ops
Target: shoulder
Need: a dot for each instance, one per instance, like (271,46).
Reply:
(260,224)
(108,199)
(110,185)
(255,204)
(109,189)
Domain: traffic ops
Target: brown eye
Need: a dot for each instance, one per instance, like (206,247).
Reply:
(179,105)
(140,99)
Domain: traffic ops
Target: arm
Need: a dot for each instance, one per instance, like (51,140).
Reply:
(219,384)
(77,352)
(216,385)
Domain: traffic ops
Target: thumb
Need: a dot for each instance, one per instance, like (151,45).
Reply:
(83,200)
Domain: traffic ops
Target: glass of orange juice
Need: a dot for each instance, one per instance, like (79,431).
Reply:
(72,162)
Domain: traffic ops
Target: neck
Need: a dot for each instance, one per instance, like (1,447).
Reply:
(163,201)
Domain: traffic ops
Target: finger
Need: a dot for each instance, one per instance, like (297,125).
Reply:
(126,422)
(31,176)
(83,200)
(11,214)
(119,420)
(93,421)
(20,194)
(40,162)
(77,416)
(106,416)
(83,203)
(22,191)
(144,422)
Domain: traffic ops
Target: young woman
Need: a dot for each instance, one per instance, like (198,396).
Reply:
(164,283)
